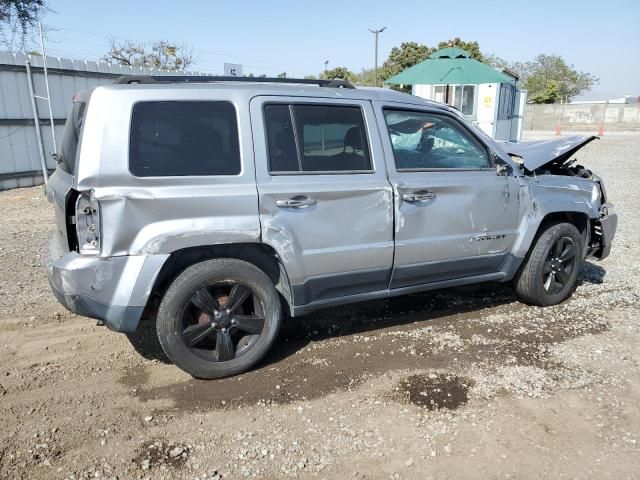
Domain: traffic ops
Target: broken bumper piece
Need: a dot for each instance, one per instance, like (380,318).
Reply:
(606,227)
(113,289)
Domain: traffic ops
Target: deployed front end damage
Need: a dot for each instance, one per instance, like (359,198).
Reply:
(603,231)
(543,160)
(552,155)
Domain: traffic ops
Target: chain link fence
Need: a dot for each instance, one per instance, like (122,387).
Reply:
(583,117)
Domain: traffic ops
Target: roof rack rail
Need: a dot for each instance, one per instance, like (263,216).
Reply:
(154,79)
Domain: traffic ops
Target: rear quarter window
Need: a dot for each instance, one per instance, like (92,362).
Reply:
(181,138)
(71,138)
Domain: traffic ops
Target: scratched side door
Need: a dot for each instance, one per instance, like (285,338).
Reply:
(325,202)
(454,216)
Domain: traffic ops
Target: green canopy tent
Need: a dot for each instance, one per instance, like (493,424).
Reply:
(450,66)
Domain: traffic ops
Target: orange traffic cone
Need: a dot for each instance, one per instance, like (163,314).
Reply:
(601,131)
(558,130)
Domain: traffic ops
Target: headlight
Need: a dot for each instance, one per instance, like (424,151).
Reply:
(88,224)
(595,193)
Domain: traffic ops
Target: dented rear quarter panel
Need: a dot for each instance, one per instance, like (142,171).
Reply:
(159,215)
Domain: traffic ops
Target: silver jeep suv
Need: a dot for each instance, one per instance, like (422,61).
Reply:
(217,205)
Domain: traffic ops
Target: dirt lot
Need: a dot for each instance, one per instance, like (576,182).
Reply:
(464,383)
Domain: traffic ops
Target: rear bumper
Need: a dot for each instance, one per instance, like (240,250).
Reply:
(608,222)
(113,289)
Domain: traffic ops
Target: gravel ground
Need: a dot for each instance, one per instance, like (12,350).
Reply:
(459,383)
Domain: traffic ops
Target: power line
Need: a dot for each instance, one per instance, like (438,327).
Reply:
(198,51)
(15,130)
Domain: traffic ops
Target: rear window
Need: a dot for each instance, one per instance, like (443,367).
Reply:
(71,138)
(184,138)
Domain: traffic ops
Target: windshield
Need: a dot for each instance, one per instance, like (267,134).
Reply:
(71,138)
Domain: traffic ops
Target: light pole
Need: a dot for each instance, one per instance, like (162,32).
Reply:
(326,65)
(375,70)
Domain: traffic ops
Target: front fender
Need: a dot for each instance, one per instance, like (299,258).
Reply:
(553,195)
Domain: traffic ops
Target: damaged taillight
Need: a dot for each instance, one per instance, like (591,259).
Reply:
(88,224)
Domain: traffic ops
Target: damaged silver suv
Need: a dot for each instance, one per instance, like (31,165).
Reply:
(215,206)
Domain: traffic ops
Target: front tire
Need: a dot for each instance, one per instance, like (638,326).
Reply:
(549,274)
(219,318)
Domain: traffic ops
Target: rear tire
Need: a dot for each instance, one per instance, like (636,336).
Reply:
(219,318)
(549,273)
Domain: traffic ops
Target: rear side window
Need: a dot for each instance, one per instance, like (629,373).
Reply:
(184,138)
(283,154)
(71,138)
(316,138)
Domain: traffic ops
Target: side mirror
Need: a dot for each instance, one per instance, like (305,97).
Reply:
(503,169)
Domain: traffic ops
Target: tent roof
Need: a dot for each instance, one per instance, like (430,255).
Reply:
(451,52)
(449,66)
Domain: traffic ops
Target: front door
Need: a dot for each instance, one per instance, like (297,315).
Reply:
(454,216)
(326,206)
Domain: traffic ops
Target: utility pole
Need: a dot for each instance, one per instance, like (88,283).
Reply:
(376,33)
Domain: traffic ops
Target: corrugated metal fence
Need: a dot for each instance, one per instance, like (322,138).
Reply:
(19,150)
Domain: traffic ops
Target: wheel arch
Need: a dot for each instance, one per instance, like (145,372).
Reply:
(261,255)
(578,218)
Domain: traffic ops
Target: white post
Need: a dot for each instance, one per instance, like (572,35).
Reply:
(36,120)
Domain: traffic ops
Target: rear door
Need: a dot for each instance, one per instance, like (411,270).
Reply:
(455,217)
(324,198)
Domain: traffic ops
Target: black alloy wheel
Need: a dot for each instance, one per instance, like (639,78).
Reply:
(222,321)
(559,266)
(550,270)
(219,318)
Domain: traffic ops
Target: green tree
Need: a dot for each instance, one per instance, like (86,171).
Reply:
(495,61)
(550,93)
(339,73)
(367,77)
(471,47)
(282,75)
(549,79)
(406,55)
(17,17)
(161,54)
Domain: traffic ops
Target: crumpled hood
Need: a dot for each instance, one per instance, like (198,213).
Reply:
(538,153)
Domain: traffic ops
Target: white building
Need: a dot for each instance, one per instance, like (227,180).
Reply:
(488,96)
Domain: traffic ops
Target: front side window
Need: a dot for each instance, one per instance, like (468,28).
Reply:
(316,138)
(182,138)
(424,140)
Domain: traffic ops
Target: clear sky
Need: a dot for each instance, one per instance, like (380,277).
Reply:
(271,36)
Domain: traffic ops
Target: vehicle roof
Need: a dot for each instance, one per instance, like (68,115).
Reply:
(289,89)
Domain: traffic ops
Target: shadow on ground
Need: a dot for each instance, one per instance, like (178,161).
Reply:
(360,317)
(310,361)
